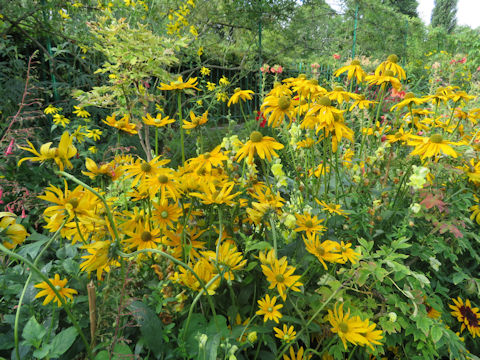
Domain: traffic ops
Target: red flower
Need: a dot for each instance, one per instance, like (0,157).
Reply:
(336,56)
(463,61)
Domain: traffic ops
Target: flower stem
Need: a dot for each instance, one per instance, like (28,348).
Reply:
(179,98)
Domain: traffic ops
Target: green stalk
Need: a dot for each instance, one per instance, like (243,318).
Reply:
(156,141)
(72,318)
(380,103)
(181,126)
(274,235)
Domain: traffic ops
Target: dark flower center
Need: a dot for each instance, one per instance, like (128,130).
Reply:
(436,138)
(280,278)
(324,101)
(146,167)
(163,179)
(393,58)
(343,327)
(471,317)
(284,102)
(146,236)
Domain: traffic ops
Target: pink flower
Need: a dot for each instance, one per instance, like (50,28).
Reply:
(436,65)
(264,69)
(23,216)
(315,65)
(397,94)
(336,56)
(478,68)
(9,209)
(276,69)
(452,61)
(463,61)
(1,194)
(10,148)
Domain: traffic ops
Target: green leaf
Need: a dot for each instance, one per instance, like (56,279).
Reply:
(62,341)
(368,245)
(436,333)
(458,277)
(33,332)
(150,326)
(262,245)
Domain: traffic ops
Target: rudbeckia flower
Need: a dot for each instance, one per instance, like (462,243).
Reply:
(263,146)
(50,295)
(179,84)
(240,94)
(354,69)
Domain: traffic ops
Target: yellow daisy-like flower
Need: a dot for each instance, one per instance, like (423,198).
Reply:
(298,356)
(391,65)
(211,86)
(408,100)
(205,71)
(323,251)
(179,84)
(143,238)
(268,309)
(158,121)
(195,121)
(287,334)
(383,79)
(165,214)
(347,253)
(240,94)
(213,195)
(467,315)
(331,208)
(98,258)
(340,95)
(123,124)
(208,161)
(432,146)
(59,119)
(320,170)
(354,69)
(50,294)
(61,155)
(229,259)
(400,135)
(81,112)
(351,329)
(263,146)
(276,108)
(15,233)
(50,109)
(309,224)
(280,275)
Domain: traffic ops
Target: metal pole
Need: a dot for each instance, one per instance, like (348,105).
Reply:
(355,33)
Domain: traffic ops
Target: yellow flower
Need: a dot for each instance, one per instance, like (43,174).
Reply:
(347,253)
(123,124)
(298,356)
(276,108)
(348,328)
(409,99)
(60,120)
(391,65)
(204,71)
(195,121)
(339,95)
(211,86)
(60,155)
(12,233)
(323,251)
(354,69)
(94,134)
(165,214)
(205,271)
(180,85)
(200,51)
(280,275)
(213,195)
(240,95)
(431,146)
(143,238)
(383,79)
(467,315)
(309,224)
(228,260)
(224,81)
(98,258)
(268,309)
(81,112)
(263,146)
(50,109)
(158,121)
(331,208)
(287,334)
(50,294)
(222,96)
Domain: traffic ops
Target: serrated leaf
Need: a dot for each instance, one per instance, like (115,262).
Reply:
(262,245)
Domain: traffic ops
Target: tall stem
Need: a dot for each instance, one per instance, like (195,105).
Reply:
(181,126)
